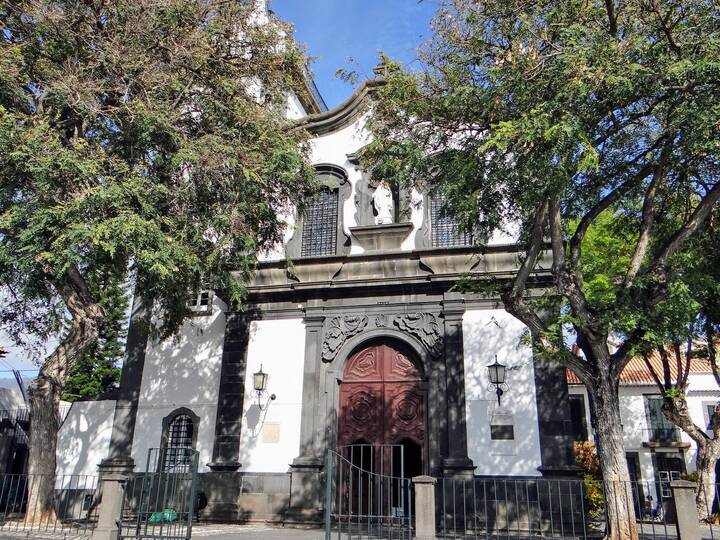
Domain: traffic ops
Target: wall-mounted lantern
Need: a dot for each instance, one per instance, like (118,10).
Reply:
(496,374)
(260,380)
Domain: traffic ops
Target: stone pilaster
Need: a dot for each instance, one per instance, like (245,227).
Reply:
(128,395)
(554,421)
(231,394)
(457,460)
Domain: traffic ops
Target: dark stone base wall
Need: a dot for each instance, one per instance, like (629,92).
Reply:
(235,497)
(245,497)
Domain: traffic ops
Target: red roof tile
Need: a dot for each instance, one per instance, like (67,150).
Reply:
(637,372)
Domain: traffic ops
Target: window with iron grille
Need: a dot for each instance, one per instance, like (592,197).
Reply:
(179,444)
(445,229)
(319,233)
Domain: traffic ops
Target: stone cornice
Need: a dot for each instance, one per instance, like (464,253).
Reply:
(385,270)
(342,115)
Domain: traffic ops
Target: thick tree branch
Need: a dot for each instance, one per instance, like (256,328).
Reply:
(612,17)
(654,374)
(602,205)
(514,300)
(697,218)
(688,358)
(535,246)
(556,239)
(648,218)
(84,327)
(666,367)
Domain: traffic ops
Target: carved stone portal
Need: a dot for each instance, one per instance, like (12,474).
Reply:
(337,333)
(423,326)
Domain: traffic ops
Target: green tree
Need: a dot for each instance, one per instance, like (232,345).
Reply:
(97,372)
(545,115)
(687,329)
(684,329)
(140,140)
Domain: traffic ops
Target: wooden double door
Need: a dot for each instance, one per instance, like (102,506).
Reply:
(383,401)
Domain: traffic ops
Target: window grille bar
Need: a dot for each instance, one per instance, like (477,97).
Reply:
(319,234)
(445,229)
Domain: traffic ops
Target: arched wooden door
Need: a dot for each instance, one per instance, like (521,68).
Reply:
(382,401)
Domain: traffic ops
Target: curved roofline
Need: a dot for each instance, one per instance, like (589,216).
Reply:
(342,115)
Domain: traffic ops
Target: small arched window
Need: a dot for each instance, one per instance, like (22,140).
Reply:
(179,436)
(180,433)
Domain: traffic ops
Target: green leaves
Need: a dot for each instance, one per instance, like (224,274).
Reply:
(133,144)
(613,114)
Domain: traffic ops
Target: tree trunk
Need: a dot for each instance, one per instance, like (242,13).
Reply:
(613,463)
(707,454)
(705,460)
(46,390)
(44,400)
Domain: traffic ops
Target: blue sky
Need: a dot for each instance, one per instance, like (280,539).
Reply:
(333,30)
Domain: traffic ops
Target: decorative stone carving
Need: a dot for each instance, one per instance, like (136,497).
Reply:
(383,204)
(381,320)
(338,331)
(423,326)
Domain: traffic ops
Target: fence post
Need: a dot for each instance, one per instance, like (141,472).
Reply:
(683,493)
(425,507)
(112,475)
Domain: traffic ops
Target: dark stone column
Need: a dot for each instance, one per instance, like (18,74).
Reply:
(128,394)
(457,461)
(231,394)
(305,490)
(554,420)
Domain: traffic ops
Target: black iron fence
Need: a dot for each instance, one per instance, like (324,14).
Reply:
(546,508)
(160,502)
(73,512)
(363,500)
(480,508)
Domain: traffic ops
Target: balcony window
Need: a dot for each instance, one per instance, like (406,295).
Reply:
(660,429)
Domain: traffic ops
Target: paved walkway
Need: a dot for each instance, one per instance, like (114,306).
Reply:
(254,532)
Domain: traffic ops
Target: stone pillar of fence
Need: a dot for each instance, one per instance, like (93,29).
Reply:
(683,493)
(112,475)
(425,507)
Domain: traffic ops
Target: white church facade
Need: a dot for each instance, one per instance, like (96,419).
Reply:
(363,341)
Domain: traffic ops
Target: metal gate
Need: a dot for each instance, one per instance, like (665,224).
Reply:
(367,493)
(160,502)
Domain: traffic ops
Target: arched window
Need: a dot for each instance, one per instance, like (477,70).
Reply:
(179,437)
(319,233)
(322,221)
(180,433)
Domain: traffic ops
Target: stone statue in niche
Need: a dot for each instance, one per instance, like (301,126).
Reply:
(383,204)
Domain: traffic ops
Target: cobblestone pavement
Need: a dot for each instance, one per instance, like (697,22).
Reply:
(254,532)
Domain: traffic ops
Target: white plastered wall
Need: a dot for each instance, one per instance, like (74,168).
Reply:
(333,148)
(182,371)
(485,334)
(270,438)
(83,440)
